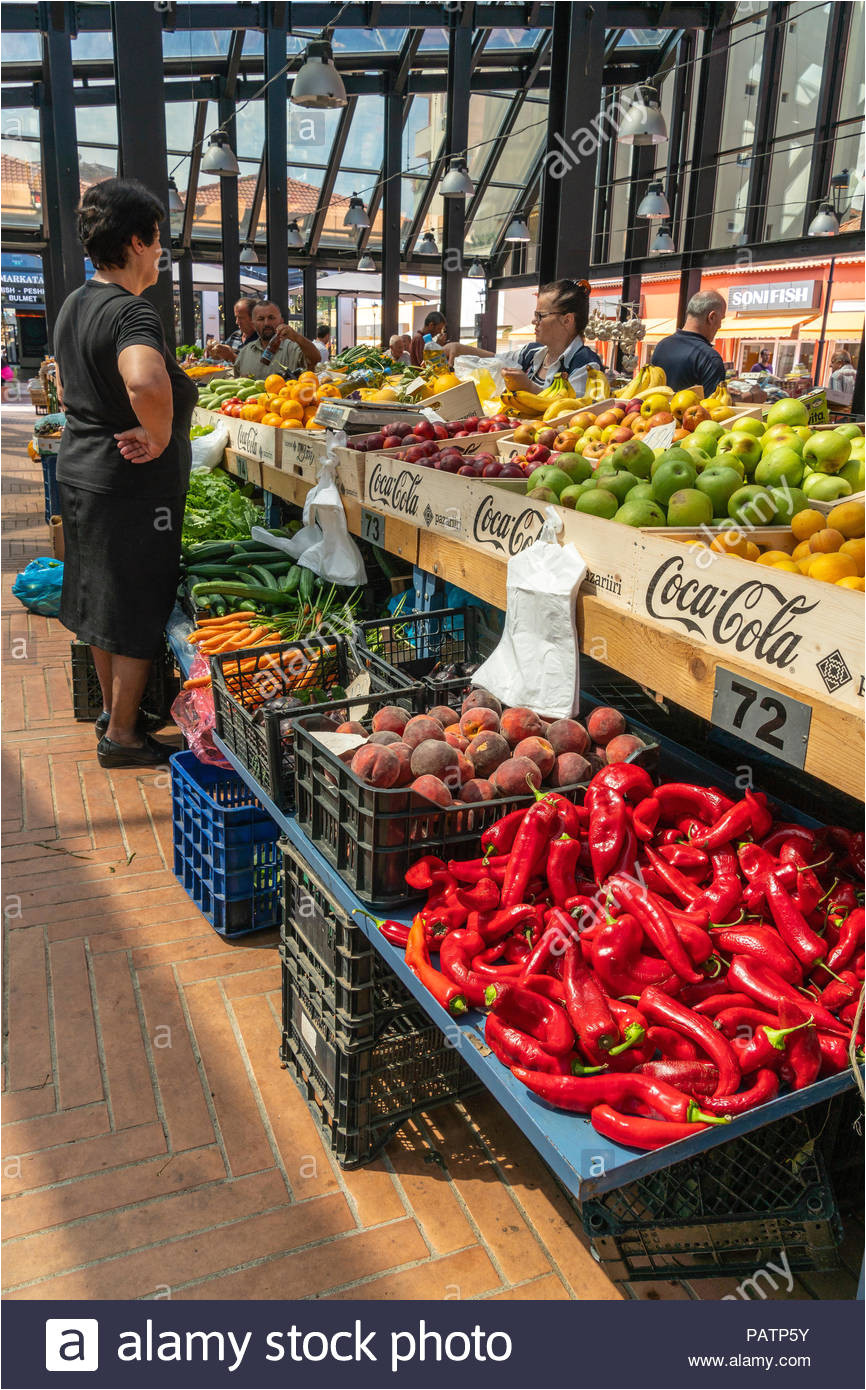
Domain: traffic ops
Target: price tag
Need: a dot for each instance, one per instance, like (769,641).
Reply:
(662,437)
(333,413)
(241,466)
(414,386)
(372,527)
(775,723)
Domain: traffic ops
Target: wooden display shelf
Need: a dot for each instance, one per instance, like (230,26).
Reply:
(640,606)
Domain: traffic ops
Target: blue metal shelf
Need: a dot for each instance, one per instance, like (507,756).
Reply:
(585,1163)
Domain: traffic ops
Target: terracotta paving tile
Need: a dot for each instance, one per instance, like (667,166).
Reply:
(469,1274)
(26,1137)
(170,940)
(82,917)
(75,1160)
(428,1191)
(38,800)
(374,1193)
(71,815)
(78,1073)
(547,1289)
(21,1105)
(184,1107)
(252,982)
(130,1091)
(233,960)
(27,1015)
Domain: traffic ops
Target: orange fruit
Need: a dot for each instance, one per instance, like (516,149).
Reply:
(307,392)
(806,523)
(789,566)
(308,376)
(291,410)
(826,542)
(801,549)
(848,517)
(753,551)
(805,565)
(328,390)
(852,581)
(262,400)
(271,418)
(252,412)
(311,425)
(772,557)
(731,543)
(831,568)
(855,549)
(274,383)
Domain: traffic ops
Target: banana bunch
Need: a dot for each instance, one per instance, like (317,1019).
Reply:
(565,406)
(597,386)
(648,377)
(559,393)
(721,396)
(654,391)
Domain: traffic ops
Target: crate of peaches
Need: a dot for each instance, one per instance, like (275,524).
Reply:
(385,786)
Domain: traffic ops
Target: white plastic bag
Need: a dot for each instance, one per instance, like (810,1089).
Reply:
(208,449)
(537,662)
(323,544)
(468,368)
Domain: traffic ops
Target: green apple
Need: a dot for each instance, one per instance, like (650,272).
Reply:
(710,431)
(620,484)
(633,457)
(569,495)
(827,451)
(548,475)
(752,505)
(744,447)
(598,502)
(789,501)
(689,507)
(782,465)
(719,483)
(749,425)
(576,467)
(804,431)
(788,411)
(777,435)
(641,492)
(826,487)
(854,472)
(675,453)
(670,478)
(850,430)
(699,457)
(644,512)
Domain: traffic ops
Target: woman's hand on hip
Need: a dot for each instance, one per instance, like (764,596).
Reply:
(137,446)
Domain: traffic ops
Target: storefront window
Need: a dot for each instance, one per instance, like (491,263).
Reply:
(785,356)
(802,66)
(806,356)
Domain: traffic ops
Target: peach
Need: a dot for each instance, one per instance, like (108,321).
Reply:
(444,714)
(434,758)
(456,739)
(539,750)
(375,765)
(352,727)
(519,723)
(420,728)
(621,748)
(604,724)
(569,769)
(567,736)
(403,753)
(465,772)
(487,751)
(391,718)
(477,789)
(513,778)
(383,738)
(432,789)
(475,721)
(481,699)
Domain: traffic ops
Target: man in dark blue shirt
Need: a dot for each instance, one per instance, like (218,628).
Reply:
(688,357)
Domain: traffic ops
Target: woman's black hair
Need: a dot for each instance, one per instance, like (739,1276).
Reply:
(572,297)
(110,214)
(435,316)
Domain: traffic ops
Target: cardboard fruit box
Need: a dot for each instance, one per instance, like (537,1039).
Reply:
(263,443)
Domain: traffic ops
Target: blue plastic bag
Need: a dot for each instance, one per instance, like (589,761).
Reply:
(38,587)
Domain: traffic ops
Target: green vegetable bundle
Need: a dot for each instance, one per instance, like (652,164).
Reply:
(217,509)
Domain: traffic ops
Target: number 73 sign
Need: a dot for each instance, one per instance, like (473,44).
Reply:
(768,720)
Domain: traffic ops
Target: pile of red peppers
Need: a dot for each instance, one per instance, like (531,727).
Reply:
(661,958)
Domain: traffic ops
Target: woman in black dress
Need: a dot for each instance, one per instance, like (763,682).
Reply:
(123,468)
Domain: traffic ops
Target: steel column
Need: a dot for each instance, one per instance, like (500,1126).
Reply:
(63,258)
(276,157)
(829,98)
(489,320)
(186,296)
(310,305)
(577,73)
(229,223)
(456,140)
(198,135)
(141,148)
(690,283)
(679,132)
(765,122)
(392,155)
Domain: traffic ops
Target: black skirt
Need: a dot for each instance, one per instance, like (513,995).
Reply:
(121,568)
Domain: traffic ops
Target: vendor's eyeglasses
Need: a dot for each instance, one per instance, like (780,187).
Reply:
(554,313)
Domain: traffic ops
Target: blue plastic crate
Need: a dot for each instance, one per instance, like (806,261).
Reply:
(225,847)
(49,482)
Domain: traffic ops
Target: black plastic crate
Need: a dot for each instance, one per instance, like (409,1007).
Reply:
(724,1211)
(361,1096)
(360,988)
(372,836)
(264,746)
(159,693)
(423,646)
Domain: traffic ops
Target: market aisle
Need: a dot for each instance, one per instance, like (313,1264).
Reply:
(153,1148)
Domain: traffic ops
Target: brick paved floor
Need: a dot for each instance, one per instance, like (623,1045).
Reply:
(152,1146)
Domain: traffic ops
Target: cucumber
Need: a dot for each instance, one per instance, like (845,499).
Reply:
(251,593)
(264,557)
(212,571)
(305,588)
(263,575)
(247,545)
(293,579)
(208,550)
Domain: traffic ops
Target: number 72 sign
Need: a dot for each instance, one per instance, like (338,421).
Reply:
(765,718)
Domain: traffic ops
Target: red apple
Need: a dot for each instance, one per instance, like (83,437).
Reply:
(470,424)
(467,471)
(461,434)
(512,470)
(546,438)
(632,407)
(431,447)
(537,453)
(620,435)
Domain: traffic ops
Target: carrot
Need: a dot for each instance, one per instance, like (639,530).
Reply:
(227,618)
(196,682)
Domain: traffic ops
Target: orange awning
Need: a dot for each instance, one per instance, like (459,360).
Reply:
(840,324)
(784,326)
(659,328)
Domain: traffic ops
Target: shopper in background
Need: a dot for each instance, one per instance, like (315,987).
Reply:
(322,341)
(277,347)
(434,324)
(561,314)
(764,363)
(688,357)
(123,467)
(843,374)
(243,334)
(397,349)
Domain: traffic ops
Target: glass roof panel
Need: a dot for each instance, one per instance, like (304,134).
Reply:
(802,66)
(96,164)
(423,131)
(21,185)
(250,126)
(311,133)
(512,38)
(96,124)
(410,197)
(741,87)
(368,40)
(433,39)
(180,123)
(334,233)
(366,135)
(195,43)
(22,48)
(92,45)
(486,114)
(518,153)
(496,206)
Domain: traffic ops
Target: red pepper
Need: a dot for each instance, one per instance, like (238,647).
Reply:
(851,843)
(539,1017)
(442,915)
(847,1015)
(483,896)
(840,992)
(672,1045)
(608,829)
(793,928)
(444,991)
(722,898)
(696,940)
(757,864)
(803,1053)
(426,872)
(655,920)
(514,1048)
(499,837)
(618,962)
(742,1021)
(581,1093)
(639,1133)
(712,1005)
(488,964)
(470,870)
(766,1048)
(559,931)
(749,816)
(684,857)
(764,1087)
(515,950)
(660,1008)
(678,799)
(506,921)
(784,831)
(675,882)
(696,1078)
(547,985)
(628,779)
(395,932)
(808,891)
(834,1054)
(586,1005)
(769,989)
(645,818)
(455,959)
(562,860)
(764,944)
(528,850)
(850,938)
